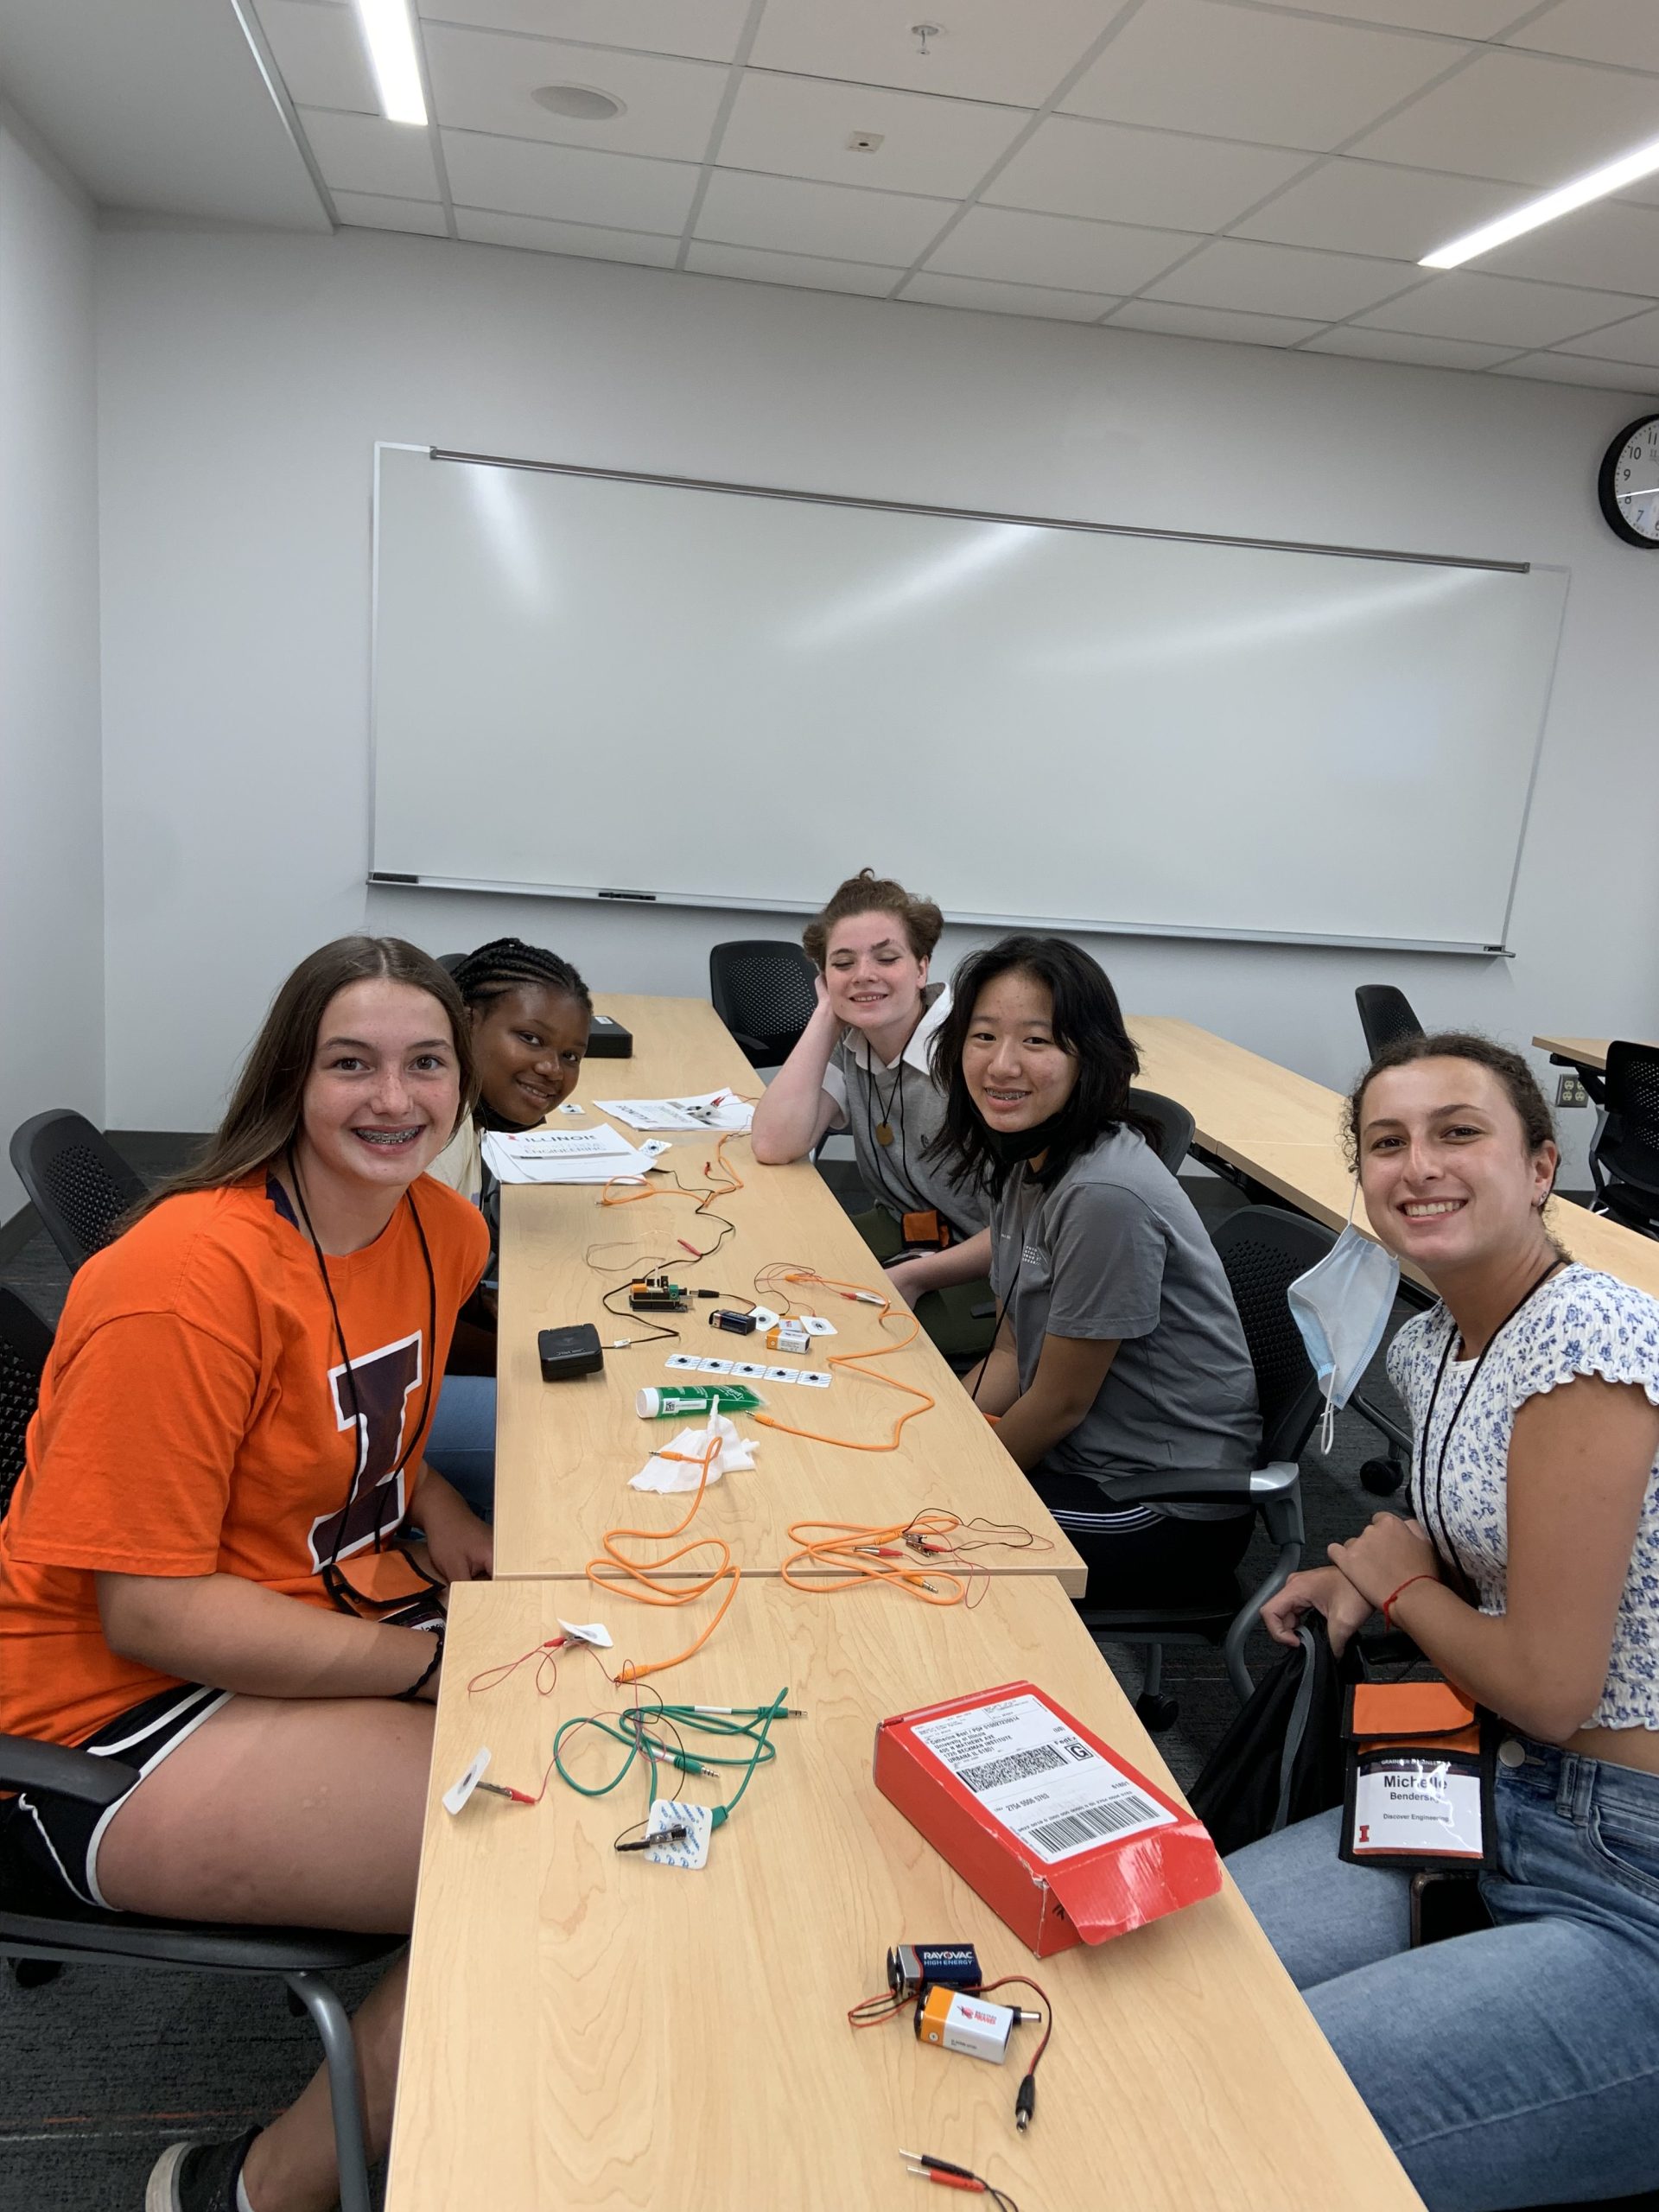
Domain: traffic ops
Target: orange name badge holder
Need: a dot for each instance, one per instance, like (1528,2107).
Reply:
(1420,1769)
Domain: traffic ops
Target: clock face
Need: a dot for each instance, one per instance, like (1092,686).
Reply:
(1630,483)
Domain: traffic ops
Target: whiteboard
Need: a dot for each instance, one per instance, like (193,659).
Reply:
(612,685)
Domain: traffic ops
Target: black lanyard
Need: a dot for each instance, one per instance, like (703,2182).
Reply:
(335,1581)
(1445,1547)
(881,1152)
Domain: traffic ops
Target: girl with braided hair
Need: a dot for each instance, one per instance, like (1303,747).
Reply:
(530,1013)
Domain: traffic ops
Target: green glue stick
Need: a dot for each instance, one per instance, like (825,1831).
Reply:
(705,1398)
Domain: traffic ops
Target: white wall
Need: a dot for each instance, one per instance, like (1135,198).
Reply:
(244,380)
(51,838)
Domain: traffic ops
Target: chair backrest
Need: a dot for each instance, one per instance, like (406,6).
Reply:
(25,1340)
(79,1182)
(1627,1145)
(1385,1015)
(1175,1125)
(764,991)
(1263,1250)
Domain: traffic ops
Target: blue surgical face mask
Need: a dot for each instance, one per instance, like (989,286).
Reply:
(1342,1307)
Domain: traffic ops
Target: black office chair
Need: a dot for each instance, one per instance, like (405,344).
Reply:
(1385,1015)
(79,1182)
(42,1934)
(1624,1157)
(764,990)
(25,1343)
(1175,1126)
(1264,1250)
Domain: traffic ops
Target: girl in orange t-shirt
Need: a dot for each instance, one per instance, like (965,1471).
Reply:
(200,1571)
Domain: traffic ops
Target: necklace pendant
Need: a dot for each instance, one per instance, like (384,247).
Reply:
(884,1133)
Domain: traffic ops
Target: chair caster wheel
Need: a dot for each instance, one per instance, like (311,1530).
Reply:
(1382,1477)
(35,1973)
(1156,1713)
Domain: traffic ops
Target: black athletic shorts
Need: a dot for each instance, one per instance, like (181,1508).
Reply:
(48,1844)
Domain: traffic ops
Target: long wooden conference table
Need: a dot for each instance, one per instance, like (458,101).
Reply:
(1284,1132)
(587,2031)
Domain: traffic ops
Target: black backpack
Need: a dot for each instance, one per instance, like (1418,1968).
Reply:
(1282,1758)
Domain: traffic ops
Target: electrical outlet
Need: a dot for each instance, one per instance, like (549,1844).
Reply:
(1569,1091)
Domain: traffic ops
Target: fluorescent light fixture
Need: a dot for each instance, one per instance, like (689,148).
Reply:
(1612,177)
(390,37)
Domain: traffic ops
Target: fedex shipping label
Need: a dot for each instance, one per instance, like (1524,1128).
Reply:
(1033,1773)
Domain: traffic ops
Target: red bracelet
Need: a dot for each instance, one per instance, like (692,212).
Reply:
(1387,1617)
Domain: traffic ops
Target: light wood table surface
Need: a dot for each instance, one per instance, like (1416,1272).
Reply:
(1583,1051)
(586,2030)
(564,1451)
(1283,1131)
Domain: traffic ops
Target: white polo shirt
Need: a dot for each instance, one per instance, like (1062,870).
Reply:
(869,1093)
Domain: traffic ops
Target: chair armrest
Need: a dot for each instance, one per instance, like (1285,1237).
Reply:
(61,1771)
(1204,1485)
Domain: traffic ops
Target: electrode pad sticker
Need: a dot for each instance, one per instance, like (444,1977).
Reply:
(692,1852)
(714,1366)
(780,1374)
(1028,1768)
(688,1360)
(458,1791)
(815,1325)
(745,1370)
(813,1378)
(763,1316)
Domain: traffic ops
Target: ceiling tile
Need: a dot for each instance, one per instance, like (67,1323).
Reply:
(1458,18)
(370,211)
(986,50)
(1367,208)
(320,55)
(1564,368)
(489,227)
(1059,250)
(1175,321)
(1405,346)
(1520,116)
(482,82)
(1636,340)
(787,215)
(1496,310)
(1624,32)
(935,290)
(707,30)
(520,177)
(365,153)
(759,267)
(1073,167)
(1241,72)
(1280,280)
(1607,243)
(799,126)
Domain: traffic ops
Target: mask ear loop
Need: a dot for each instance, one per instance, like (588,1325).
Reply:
(1328,1421)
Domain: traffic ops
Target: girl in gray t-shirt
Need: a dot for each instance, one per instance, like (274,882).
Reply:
(863,1064)
(1119,1350)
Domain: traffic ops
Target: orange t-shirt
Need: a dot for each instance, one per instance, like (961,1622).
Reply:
(195,1419)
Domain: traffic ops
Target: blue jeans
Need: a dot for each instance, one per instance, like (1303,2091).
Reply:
(461,1442)
(1520,2065)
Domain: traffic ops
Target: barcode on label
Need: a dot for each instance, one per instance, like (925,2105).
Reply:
(1013,1767)
(1110,1817)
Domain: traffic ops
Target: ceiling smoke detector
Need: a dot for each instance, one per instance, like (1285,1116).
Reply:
(579,103)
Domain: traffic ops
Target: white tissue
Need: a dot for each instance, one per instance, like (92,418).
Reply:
(685,1472)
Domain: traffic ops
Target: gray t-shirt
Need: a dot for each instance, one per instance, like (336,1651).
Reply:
(904,1100)
(1115,1249)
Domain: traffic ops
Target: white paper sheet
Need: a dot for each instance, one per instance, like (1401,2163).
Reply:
(712,1109)
(566,1155)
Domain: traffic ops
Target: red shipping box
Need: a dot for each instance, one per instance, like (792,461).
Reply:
(1062,1839)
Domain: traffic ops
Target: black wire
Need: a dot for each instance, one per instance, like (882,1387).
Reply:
(643,1321)
(346,1597)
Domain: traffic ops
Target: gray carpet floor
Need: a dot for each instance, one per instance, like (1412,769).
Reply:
(100,2068)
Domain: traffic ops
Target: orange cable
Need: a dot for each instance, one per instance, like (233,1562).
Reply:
(632,1578)
(853,1360)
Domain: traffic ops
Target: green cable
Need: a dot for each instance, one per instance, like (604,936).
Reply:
(752,1724)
